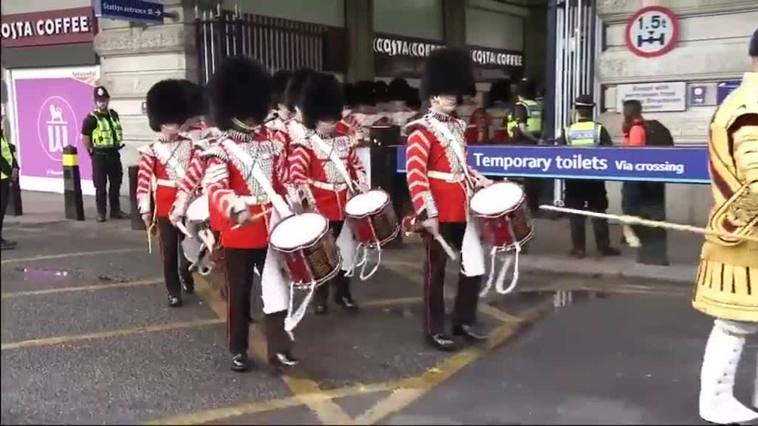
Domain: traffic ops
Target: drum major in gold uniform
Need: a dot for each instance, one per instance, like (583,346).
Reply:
(727,283)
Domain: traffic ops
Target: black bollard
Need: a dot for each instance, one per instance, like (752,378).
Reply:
(137,223)
(14,200)
(72,185)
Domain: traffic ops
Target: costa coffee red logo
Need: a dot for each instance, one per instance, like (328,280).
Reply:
(64,26)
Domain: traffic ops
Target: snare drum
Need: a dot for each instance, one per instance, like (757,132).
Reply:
(372,218)
(502,215)
(307,249)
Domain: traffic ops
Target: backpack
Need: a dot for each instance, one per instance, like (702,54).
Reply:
(656,134)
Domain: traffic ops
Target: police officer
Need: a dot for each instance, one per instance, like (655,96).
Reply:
(8,173)
(585,193)
(524,126)
(102,135)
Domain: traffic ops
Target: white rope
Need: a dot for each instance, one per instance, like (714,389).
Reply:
(488,285)
(514,280)
(376,267)
(634,220)
(293,319)
(349,273)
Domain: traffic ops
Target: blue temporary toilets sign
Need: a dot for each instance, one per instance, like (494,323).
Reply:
(673,165)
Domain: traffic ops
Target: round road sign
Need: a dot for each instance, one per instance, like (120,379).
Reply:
(652,31)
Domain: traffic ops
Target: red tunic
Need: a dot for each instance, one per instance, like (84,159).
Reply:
(166,161)
(427,151)
(310,165)
(231,182)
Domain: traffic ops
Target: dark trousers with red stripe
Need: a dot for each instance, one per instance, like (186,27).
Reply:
(467,298)
(175,265)
(341,283)
(240,264)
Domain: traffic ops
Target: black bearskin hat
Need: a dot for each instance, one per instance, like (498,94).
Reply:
(295,87)
(349,91)
(278,86)
(166,103)
(399,90)
(321,99)
(364,93)
(240,88)
(381,91)
(526,88)
(414,99)
(447,71)
(754,44)
(194,94)
(500,90)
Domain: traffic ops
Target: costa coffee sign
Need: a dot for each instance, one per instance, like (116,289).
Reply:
(64,26)
(396,55)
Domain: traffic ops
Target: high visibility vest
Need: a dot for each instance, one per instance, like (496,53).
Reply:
(102,136)
(583,133)
(533,117)
(7,153)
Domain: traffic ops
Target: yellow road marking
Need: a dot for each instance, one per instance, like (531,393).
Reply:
(411,389)
(383,303)
(65,255)
(48,341)
(249,408)
(326,410)
(95,287)
(498,314)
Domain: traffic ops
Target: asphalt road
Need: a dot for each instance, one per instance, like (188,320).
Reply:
(87,338)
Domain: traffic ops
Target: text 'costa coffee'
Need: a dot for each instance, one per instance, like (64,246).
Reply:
(51,27)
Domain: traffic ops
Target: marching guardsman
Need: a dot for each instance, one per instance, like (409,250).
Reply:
(279,113)
(291,119)
(326,161)
(8,174)
(587,193)
(103,137)
(165,162)
(245,176)
(728,272)
(203,137)
(440,183)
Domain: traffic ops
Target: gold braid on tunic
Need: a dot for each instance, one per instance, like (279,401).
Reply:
(727,281)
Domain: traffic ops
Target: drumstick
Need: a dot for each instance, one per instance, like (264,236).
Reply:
(445,246)
(180,226)
(253,218)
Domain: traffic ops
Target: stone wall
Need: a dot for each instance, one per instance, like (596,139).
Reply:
(133,57)
(712,47)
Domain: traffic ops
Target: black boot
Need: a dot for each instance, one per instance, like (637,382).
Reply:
(578,236)
(240,362)
(100,218)
(468,332)
(603,238)
(278,341)
(442,342)
(174,301)
(118,214)
(343,297)
(322,296)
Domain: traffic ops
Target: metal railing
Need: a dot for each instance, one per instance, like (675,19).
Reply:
(276,42)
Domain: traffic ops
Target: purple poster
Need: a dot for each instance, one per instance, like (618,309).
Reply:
(49,116)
